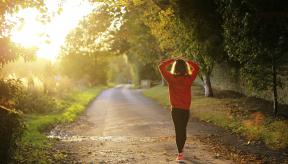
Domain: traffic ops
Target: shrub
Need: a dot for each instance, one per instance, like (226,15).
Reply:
(11,128)
(35,102)
(13,95)
(9,90)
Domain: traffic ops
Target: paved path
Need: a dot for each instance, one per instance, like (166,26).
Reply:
(122,126)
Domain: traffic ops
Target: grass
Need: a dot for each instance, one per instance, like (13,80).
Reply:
(158,93)
(238,114)
(34,145)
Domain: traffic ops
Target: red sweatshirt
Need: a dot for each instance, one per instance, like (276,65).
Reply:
(179,86)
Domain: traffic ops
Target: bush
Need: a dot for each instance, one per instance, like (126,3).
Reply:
(35,102)
(11,128)
(13,95)
(9,90)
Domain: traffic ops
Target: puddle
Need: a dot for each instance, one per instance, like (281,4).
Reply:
(63,135)
(77,138)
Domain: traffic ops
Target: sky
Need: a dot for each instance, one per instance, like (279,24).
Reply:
(48,37)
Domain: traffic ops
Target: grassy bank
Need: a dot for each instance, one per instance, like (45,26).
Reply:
(242,115)
(35,147)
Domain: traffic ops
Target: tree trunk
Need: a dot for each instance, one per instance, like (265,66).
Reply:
(275,93)
(207,85)
(163,82)
(136,77)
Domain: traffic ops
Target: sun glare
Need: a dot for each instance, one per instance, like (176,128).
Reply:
(27,33)
(48,37)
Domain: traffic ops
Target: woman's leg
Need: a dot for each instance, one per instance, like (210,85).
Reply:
(180,118)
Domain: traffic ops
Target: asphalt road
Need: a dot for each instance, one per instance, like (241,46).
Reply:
(123,112)
(123,126)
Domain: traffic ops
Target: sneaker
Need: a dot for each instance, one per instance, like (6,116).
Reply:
(180,157)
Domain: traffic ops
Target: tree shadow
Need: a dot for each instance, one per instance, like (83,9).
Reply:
(251,104)
(222,94)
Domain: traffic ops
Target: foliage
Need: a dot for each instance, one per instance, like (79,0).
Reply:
(85,69)
(188,28)
(134,39)
(275,133)
(7,6)
(138,44)
(9,90)
(256,37)
(84,56)
(38,75)
(35,102)
(87,37)
(14,95)
(10,52)
(11,129)
(119,70)
(201,19)
(104,33)
(34,146)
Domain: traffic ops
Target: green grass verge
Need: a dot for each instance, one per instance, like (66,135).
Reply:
(233,114)
(34,146)
(158,93)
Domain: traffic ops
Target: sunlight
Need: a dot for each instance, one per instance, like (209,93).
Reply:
(28,33)
(48,37)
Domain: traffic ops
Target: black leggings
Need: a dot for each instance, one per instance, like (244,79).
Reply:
(180,119)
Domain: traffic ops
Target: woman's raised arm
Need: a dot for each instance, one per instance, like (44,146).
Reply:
(163,68)
(195,69)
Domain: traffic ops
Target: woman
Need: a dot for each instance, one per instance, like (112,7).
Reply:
(179,81)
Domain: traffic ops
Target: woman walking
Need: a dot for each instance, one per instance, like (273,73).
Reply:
(179,81)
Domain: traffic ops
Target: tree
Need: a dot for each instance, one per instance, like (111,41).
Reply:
(189,27)
(119,70)
(12,7)
(256,36)
(84,55)
(136,42)
(87,70)
(37,73)
(9,51)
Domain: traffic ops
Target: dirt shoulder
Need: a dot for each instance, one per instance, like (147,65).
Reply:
(236,147)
